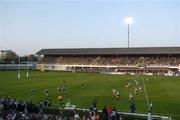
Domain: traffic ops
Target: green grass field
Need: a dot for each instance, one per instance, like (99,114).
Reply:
(163,92)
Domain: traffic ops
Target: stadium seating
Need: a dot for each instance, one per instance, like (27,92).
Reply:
(120,60)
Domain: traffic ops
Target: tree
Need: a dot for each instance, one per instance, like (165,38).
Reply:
(8,56)
(33,58)
(29,58)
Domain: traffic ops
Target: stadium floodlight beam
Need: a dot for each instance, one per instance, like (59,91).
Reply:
(128,21)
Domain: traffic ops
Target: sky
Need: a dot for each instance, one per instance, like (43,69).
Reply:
(30,25)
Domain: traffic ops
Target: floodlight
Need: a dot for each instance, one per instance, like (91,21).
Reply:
(41,56)
(128,20)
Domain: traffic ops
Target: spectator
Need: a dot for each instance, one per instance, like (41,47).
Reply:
(104,113)
(96,116)
(149,116)
(76,116)
(132,107)
(109,111)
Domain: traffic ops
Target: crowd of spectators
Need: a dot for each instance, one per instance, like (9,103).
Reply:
(113,60)
(11,109)
(105,70)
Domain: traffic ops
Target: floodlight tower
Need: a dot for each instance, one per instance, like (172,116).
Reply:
(128,21)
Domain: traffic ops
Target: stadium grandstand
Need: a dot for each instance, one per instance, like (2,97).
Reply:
(144,60)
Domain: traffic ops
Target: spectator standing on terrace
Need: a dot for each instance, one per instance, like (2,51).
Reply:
(104,113)
(109,111)
(1,118)
(1,107)
(96,116)
(114,115)
(76,115)
(91,113)
(41,106)
(86,114)
(149,116)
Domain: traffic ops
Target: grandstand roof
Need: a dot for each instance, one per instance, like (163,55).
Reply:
(110,51)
